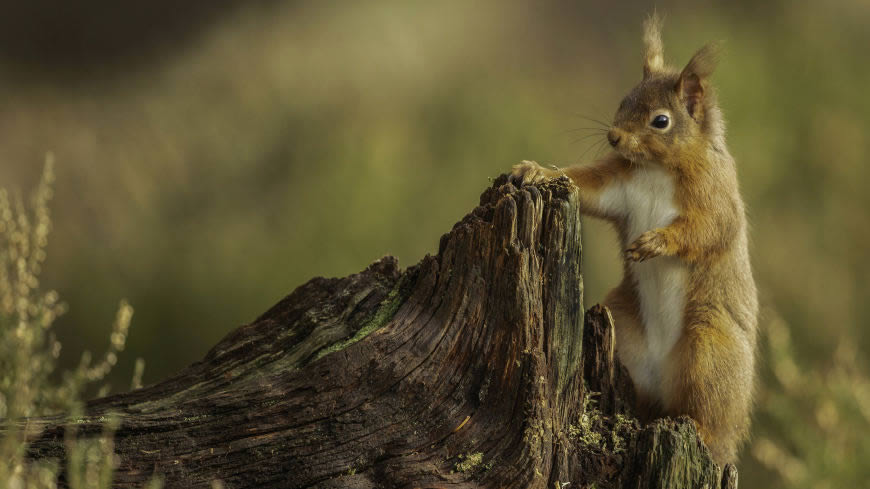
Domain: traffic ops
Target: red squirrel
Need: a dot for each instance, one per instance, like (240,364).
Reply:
(686,310)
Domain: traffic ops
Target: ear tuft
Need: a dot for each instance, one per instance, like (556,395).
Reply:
(693,78)
(654,53)
(704,62)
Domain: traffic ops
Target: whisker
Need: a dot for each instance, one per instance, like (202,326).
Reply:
(579,159)
(593,120)
(601,147)
(584,137)
(596,150)
(590,119)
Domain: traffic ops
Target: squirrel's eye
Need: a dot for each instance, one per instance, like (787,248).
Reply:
(660,122)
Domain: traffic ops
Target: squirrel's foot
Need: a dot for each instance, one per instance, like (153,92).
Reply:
(649,245)
(530,172)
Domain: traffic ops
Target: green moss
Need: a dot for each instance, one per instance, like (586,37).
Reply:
(200,417)
(587,430)
(385,312)
(620,424)
(597,431)
(470,462)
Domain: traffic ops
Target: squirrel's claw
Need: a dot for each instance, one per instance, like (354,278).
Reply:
(649,245)
(528,172)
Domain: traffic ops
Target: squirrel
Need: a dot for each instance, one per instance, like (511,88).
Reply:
(685,313)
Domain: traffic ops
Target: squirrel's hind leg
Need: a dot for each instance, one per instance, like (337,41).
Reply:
(706,380)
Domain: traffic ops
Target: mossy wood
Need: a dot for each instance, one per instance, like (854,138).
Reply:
(471,369)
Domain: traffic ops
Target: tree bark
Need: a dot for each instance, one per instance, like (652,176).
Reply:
(471,369)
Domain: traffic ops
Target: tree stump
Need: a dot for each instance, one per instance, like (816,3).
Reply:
(471,369)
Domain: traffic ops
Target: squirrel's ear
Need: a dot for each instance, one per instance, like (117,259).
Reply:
(654,55)
(693,80)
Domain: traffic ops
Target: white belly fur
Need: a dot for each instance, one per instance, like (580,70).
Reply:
(647,200)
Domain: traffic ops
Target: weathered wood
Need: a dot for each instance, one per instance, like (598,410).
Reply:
(469,369)
(605,376)
(729,477)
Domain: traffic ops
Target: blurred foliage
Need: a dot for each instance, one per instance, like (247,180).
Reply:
(28,353)
(206,176)
(815,423)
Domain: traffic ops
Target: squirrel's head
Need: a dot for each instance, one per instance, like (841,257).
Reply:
(670,112)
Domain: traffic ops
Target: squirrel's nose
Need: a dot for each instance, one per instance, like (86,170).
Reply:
(613,137)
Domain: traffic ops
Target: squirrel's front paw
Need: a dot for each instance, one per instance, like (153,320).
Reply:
(649,245)
(529,172)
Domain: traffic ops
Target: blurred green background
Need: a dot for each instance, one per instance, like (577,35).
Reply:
(212,156)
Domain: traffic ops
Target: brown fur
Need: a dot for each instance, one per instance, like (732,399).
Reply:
(709,372)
